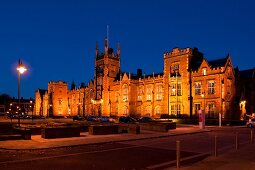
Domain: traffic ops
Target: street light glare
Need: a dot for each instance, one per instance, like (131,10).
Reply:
(21,69)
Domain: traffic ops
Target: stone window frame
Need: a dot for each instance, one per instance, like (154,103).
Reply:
(173,89)
(211,86)
(204,71)
(149,92)
(196,109)
(175,110)
(211,109)
(198,89)
(140,93)
(125,92)
(159,91)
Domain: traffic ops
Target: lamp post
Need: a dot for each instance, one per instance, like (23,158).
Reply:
(176,94)
(84,103)
(203,96)
(202,114)
(168,99)
(31,102)
(21,69)
(168,95)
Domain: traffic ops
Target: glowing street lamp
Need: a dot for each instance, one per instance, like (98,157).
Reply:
(203,96)
(21,69)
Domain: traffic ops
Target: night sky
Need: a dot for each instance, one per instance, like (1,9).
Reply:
(56,39)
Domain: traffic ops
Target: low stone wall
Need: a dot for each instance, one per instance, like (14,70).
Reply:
(103,129)
(4,137)
(60,132)
(25,133)
(6,128)
(129,128)
(35,130)
(158,126)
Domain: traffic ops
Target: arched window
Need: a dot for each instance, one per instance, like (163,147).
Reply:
(149,92)
(159,91)
(148,111)
(157,110)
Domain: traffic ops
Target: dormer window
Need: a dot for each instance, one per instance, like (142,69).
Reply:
(204,71)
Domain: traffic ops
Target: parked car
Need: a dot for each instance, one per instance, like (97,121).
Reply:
(104,119)
(126,119)
(251,123)
(91,118)
(146,119)
(78,117)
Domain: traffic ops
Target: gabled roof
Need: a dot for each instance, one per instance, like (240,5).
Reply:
(247,74)
(196,60)
(218,62)
(195,63)
(42,92)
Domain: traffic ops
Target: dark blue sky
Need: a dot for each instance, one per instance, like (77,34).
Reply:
(56,39)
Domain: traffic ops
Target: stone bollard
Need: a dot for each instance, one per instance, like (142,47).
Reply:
(178,154)
(215,146)
(251,136)
(237,141)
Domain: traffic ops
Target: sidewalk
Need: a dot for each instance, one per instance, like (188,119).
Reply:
(37,142)
(242,159)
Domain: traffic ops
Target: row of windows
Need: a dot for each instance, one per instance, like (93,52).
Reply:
(175,90)
(210,108)
(210,87)
(149,93)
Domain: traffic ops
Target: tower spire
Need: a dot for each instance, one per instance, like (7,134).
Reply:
(106,46)
(96,49)
(107,33)
(118,50)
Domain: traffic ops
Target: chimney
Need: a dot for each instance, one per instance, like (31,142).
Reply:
(139,72)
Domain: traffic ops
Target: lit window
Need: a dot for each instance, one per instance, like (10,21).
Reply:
(179,90)
(159,92)
(148,111)
(175,110)
(197,107)
(211,108)
(125,92)
(158,110)
(140,93)
(211,87)
(204,71)
(174,90)
(149,92)
(197,88)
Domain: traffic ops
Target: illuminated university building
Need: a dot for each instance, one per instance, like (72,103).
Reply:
(187,84)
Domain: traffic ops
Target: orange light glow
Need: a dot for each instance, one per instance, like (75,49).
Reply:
(21,68)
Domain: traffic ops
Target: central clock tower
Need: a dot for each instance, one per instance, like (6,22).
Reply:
(107,66)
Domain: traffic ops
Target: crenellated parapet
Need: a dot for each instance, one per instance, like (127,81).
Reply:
(177,52)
